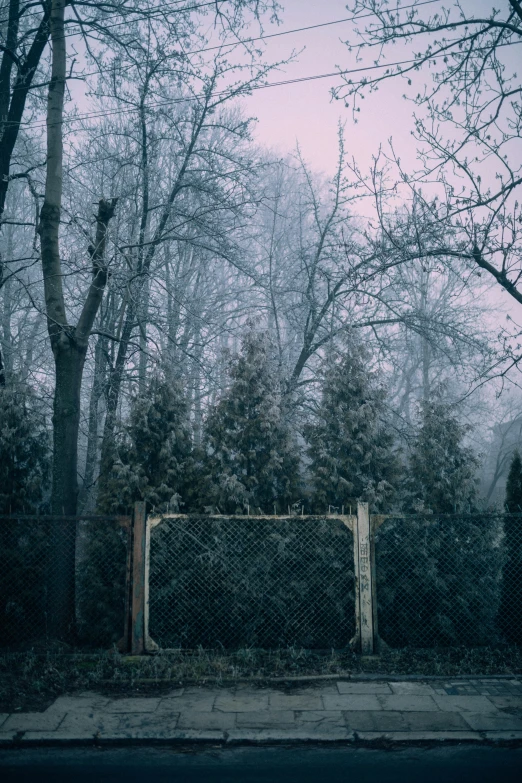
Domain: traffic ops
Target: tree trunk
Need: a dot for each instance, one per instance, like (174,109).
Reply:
(69,344)
(7,338)
(69,361)
(88,494)
(13,94)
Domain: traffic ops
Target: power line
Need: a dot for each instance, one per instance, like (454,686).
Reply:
(251,40)
(160,12)
(246,40)
(244,89)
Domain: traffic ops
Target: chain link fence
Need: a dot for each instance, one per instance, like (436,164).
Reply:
(263,582)
(444,581)
(62,581)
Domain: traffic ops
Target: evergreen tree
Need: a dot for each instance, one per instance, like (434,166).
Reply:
(25,462)
(514,485)
(351,447)
(151,458)
(251,453)
(442,475)
(511,601)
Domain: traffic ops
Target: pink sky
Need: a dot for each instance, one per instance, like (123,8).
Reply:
(305,112)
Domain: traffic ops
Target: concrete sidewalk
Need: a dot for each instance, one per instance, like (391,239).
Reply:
(460,710)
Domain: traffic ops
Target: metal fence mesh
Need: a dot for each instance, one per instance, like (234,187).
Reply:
(449,580)
(258,582)
(265,582)
(62,580)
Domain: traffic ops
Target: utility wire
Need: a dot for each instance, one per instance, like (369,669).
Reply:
(238,42)
(245,89)
(160,12)
(147,14)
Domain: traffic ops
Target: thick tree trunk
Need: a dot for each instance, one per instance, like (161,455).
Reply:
(69,361)
(69,344)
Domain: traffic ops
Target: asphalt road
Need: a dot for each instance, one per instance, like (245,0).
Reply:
(454,764)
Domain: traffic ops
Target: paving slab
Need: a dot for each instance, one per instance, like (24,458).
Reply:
(482,721)
(412,688)
(399,711)
(273,719)
(286,701)
(508,703)
(321,718)
(241,702)
(364,687)
(406,703)
(33,721)
(149,721)
(133,705)
(465,704)
(375,721)
(89,723)
(405,721)
(222,721)
(83,702)
(434,721)
(3,717)
(200,702)
(352,701)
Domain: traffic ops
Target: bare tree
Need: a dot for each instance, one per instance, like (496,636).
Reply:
(467,124)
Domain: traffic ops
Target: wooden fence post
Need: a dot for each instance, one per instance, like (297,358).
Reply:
(363,578)
(139,578)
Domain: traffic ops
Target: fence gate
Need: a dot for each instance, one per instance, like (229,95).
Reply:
(244,581)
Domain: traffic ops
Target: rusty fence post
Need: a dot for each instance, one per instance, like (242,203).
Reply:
(139,588)
(363,579)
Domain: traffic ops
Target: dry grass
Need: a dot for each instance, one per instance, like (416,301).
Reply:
(31,681)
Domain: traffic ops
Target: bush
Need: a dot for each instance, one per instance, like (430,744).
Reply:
(100,586)
(439,580)
(255,582)
(25,563)
(25,455)
(24,550)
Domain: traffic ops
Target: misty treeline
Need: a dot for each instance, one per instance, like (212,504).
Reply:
(193,320)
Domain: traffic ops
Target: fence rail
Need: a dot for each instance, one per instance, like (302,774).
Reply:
(330,581)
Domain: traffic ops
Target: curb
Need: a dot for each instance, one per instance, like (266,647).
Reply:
(314,678)
(267,737)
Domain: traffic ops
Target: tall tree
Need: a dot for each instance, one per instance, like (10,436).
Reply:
(69,343)
(24,452)
(252,457)
(442,470)
(351,446)
(467,125)
(151,458)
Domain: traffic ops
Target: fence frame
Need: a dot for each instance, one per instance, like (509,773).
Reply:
(360,524)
